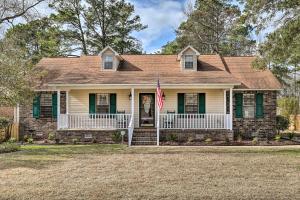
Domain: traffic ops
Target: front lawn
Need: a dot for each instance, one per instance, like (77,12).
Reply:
(119,172)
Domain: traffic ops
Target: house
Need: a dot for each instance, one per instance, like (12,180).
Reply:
(90,97)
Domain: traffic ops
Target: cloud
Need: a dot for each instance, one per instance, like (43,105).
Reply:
(162,18)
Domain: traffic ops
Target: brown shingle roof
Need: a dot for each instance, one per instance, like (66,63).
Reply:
(140,69)
(240,68)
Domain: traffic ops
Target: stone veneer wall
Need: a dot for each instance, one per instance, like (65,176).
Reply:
(261,127)
(39,128)
(198,135)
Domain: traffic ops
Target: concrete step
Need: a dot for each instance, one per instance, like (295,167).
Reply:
(135,138)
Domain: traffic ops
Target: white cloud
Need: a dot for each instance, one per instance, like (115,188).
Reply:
(162,17)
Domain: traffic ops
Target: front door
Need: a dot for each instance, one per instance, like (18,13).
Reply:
(147,109)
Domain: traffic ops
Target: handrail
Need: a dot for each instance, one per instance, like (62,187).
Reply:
(130,130)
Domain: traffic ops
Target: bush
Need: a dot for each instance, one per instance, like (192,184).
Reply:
(9,147)
(255,141)
(172,137)
(290,135)
(74,140)
(116,137)
(30,140)
(25,138)
(208,140)
(277,138)
(51,136)
(12,140)
(282,123)
(4,122)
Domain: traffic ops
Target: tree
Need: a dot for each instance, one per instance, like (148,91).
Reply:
(71,16)
(215,26)
(170,48)
(16,74)
(12,9)
(280,52)
(38,38)
(110,23)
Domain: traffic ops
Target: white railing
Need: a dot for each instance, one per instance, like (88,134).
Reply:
(195,121)
(93,121)
(130,130)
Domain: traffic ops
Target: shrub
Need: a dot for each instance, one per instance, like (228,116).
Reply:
(2,135)
(255,141)
(172,137)
(290,135)
(30,140)
(116,137)
(208,140)
(4,122)
(74,140)
(282,123)
(227,140)
(12,140)
(51,136)
(9,147)
(277,138)
(25,138)
(239,138)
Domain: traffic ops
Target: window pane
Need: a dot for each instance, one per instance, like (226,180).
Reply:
(188,62)
(102,103)
(46,105)
(249,105)
(191,103)
(108,62)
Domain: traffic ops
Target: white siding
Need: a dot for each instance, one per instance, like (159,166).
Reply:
(79,100)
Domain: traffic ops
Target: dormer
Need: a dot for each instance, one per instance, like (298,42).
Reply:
(188,58)
(110,59)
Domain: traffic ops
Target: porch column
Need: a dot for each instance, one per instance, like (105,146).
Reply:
(132,102)
(58,109)
(225,116)
(231,109)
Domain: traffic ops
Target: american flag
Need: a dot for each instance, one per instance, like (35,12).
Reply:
(160,101)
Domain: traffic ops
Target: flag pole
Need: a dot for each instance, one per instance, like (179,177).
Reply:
(158,113)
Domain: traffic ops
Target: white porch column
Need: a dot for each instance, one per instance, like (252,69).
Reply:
(225,116)
(231,109)
(58,109)
(132,102)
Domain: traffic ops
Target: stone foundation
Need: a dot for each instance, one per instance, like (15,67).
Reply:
(197,135)
(257,127)
(97,136)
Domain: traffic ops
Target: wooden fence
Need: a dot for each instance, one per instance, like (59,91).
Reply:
(13,131)
(295,123)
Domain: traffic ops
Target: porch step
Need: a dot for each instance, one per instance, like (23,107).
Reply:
(144,136)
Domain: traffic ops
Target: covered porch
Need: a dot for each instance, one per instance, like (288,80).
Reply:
(206,108)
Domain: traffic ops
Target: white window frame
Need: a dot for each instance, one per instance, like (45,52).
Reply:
(99,103)
(185,61)
(185,103)
(108,59)
(249,106)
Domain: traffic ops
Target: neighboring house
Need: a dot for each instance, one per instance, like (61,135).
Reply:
(204,96)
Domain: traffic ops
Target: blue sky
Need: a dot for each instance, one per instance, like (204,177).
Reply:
(162,17)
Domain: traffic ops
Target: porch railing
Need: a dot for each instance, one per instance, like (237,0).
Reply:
(195,121)
(93,121)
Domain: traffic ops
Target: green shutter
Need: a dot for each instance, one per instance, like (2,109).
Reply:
(239,105)
(54,105)
(180,103)
(201,100)
(259,105)
(92,103)
(113,103)
(36,105)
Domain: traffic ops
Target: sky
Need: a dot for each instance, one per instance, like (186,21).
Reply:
(162,17)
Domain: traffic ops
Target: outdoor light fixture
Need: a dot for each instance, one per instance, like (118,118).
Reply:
(130,96)
(164,96)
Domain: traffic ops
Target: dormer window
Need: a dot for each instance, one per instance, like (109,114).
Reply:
(188,62)
(108,62)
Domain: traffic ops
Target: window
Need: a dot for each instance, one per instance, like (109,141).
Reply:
(249,105)
(46,105)
(188,62)
(108,62)
(102,103)
(191,103)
